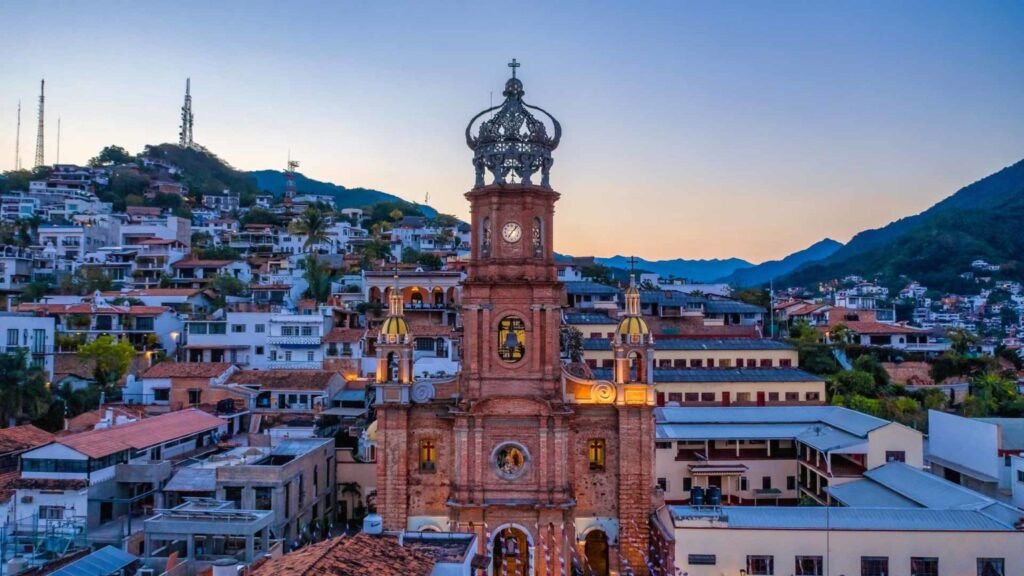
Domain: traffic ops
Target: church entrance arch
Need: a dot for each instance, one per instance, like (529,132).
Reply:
(595,548)
(511,551)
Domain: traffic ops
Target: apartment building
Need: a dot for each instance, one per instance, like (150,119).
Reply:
(773,454)
(32,334)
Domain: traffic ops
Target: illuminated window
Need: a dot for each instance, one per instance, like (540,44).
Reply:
(511,339)
(428,456)
(595,453)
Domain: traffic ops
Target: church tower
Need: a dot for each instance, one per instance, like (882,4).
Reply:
(553,472)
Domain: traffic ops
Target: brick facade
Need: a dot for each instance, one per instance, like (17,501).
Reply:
(524,403)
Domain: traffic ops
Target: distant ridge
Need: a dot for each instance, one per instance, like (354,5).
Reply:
(694,270)
(273,181)
(766,271)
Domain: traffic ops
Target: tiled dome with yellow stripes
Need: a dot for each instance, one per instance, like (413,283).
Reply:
(394,326)
(633,326)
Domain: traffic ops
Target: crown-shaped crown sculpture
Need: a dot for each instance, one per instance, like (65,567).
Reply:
(513,141)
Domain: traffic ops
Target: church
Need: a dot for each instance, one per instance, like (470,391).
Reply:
(552,470)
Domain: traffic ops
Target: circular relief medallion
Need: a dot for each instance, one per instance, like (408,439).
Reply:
(510,460)
(603,392)
(422,392)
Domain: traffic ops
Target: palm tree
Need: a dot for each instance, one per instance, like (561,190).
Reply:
(313,226)
(318,276)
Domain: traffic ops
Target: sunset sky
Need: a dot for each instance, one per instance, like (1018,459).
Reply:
(692,130)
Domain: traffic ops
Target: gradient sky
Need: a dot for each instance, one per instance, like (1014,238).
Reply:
(693,130)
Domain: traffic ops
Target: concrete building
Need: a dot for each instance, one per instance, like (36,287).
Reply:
(774,454)
(976,452)
(32,334)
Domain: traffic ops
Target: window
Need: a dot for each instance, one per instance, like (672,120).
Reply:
(309,356)
(711,362)
(1006,460)
(194,395)
(707,396)
(695,363)
(773,396)
(273,355)
(675,397)
(663,484)
(218,328)
(260,328)
(259,350)
(991,567)
(287,355)
(924,567)
(743,396)
(234,494)
(288,331)
(197,328)
(161,394)
(766,363)
(12,337)
(785,363)
(766,482)
(51,512)
(744,484)
(511,339)
(428,456)
(663,445)
(813,396)
(701,559)
(790,482)
(895,456)
(307,330)
(687,484)
(264,498)
(238,328)
(1020,475)
(692,396)
(809,566)
(595,453)
(874,566)
(792,396)
(760,565)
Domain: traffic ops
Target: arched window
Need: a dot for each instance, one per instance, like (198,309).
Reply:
(538,238)
(485,238)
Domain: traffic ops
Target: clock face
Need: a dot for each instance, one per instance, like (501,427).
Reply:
(511,232)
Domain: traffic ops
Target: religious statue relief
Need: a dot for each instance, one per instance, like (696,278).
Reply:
(510,461)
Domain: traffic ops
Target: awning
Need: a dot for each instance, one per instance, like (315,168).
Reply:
(717,469)
(344,412)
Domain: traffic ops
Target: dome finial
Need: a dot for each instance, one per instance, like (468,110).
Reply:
(513,143)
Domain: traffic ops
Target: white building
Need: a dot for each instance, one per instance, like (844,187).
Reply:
(773,454)
(236,337)
(975,452)
(33,334)
(72,242)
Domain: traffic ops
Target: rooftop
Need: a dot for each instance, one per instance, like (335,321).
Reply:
(141,433)
(187,370)
(699,344)
(24,437)
(832,518)
(317,380)
(352,556)
(1011,431)
(586,287)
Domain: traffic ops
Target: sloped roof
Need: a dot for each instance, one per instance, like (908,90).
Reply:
(851,421)
(586,287)
(344,335)
(585,318)
(286,379)
(833,518)
(24,437)
(1011,431)
(357,555)
(141,433)
(187,370)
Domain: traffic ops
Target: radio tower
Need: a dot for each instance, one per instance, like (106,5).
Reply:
(289,177)
(39,130)
(17,141)
(185,136)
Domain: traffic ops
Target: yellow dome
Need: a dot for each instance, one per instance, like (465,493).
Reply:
(394,326)
(633,326)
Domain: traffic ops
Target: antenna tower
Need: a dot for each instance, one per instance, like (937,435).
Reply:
(39,130)
(289,177)
(17,141)
(185,135)
(58,141)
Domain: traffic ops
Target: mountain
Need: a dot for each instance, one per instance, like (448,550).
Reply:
(766,271)
(693,270)
(982,220)
(273,181)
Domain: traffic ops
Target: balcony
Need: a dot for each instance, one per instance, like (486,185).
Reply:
(295,365)
(726,454)
(294,340)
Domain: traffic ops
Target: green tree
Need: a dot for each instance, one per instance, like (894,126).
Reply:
(870,365)
(756,296)
(840,334)
(15,180)
(258,216)
(804,333)
(227,285)
(112,358)
(853,382)
(961,341)
(318,276)
(313,226)
(111,155)
(23,391)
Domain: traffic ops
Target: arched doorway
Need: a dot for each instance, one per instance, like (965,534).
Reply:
(510,551)
(392,367)
(637,368)
(595,550)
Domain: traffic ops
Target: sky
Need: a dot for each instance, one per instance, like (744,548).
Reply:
(691,129)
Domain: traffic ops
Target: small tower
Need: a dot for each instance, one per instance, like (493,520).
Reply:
(394,345)
(633,345)
(185,134)
(40,130)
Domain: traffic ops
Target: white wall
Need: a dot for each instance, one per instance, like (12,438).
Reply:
(957,551)
(895,437)
(1017,486)
(968,443)
(74,502)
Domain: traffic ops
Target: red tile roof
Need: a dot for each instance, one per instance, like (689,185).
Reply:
(7,482)
(142,433)
(153,292)
(317,380)
(187,370)
(24,437)
(868,327)
(86,308)
(344,335)
(359,555)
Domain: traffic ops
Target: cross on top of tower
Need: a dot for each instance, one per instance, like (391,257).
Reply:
(632,264)
(513,65)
